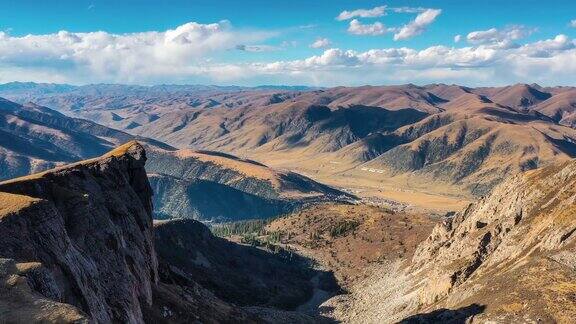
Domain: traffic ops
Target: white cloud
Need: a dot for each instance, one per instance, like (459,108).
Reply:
(374,29)
(362,13)
(504,38)
(321,43)
(418,25)
(572,23)
(126,57)
(457,38)
(482,64)
(408,9)
(200,53)
(548,47)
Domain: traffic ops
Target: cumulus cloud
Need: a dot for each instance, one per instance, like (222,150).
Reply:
(321,43)
(418,25)
(544,61)
(126,57)
(190,54)
(549,47)
(457,38)
(362,13)
(504,38)
(374,29)
(572,23)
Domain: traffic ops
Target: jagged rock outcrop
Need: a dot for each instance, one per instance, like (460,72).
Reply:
(508,258)
(526,225)
(88,227)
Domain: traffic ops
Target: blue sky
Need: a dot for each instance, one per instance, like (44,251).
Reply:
(288,42)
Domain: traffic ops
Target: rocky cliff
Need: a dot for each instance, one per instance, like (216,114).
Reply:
(508,258)
(514,251)
(86,229)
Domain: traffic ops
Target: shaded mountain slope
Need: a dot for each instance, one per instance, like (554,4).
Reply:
(213,186)
(253,277)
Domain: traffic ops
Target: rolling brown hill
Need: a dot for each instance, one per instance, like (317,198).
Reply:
(476,145)
(35,138)
(560,107)
(392,136)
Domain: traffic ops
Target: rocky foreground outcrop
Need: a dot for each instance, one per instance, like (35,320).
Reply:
(508,258)
(80,235)
(513,251)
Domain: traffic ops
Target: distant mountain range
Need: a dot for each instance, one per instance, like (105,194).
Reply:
(449,135)
(28,88)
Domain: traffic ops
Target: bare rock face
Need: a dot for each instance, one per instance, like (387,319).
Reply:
(514,250)
(508,258)
(19,303)
(88,227)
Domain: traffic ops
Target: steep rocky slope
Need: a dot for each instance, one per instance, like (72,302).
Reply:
(513,249)
(85,233)
(212,186)
(510,257)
